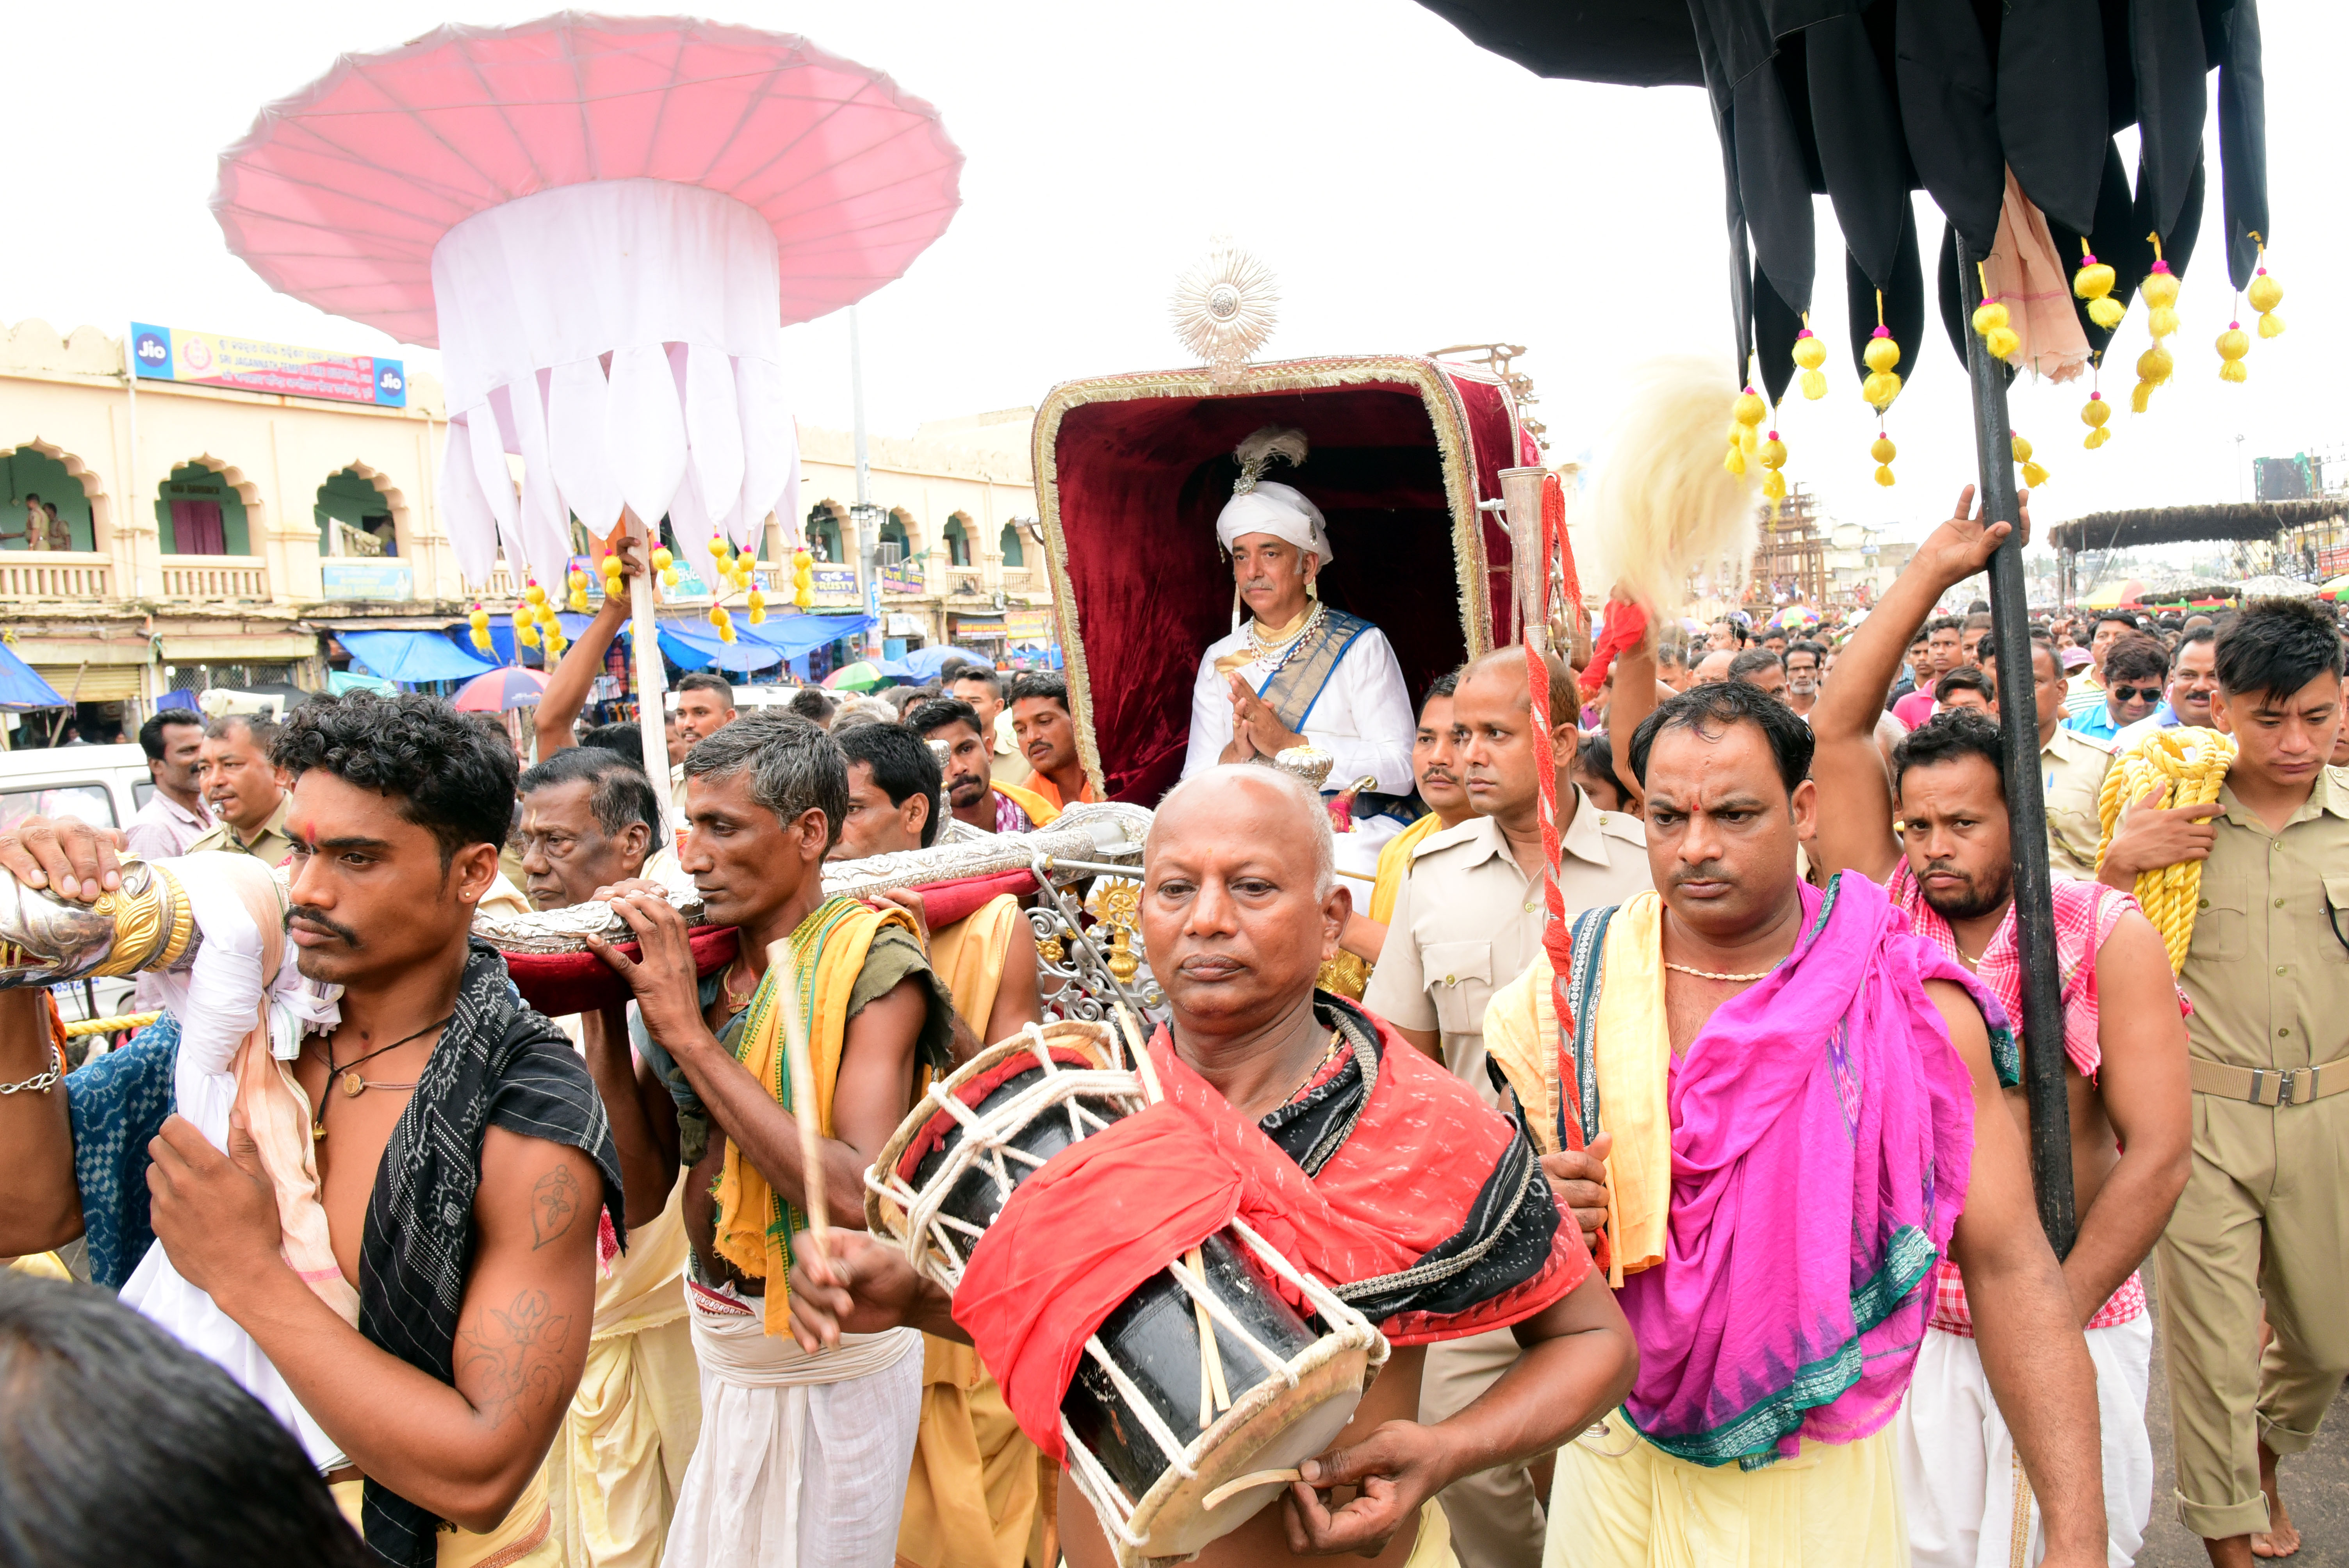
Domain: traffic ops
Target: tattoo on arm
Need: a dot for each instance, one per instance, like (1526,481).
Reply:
(554,1205)
(516,1355)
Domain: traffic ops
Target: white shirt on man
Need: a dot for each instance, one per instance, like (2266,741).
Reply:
(1363,717)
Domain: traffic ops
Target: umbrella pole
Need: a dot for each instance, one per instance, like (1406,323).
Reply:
(652,678)
(2026,806)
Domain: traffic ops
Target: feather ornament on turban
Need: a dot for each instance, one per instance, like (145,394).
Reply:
(1259,505)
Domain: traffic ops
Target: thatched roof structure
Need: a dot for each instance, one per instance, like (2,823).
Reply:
(2129,530)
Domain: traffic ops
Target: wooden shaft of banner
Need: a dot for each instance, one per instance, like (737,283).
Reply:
(652,677)
(2026,806)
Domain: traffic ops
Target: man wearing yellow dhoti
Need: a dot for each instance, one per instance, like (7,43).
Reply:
(1299,671)
(589,820)
(1804,1114)
(971,1498)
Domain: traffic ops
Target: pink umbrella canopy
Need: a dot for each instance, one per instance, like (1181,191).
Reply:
(603,223)
(340,192)
(500,689)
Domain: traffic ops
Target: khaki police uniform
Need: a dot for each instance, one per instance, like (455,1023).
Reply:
(1466,923)
(1006,763)
(2073,765)
(270,846)
(2265,1213)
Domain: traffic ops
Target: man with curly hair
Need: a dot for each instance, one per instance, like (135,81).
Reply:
(397,1250)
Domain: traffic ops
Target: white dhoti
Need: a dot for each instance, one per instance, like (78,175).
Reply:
(802,1459)
(1958,1474)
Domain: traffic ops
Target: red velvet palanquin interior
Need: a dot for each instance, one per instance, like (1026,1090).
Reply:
(1140,481)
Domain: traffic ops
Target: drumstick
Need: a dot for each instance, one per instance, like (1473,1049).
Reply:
(803,1106)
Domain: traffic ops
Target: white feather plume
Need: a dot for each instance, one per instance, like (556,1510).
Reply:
(1663,506)
(1255,453)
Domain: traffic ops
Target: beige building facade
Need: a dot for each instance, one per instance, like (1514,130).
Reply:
(207,536)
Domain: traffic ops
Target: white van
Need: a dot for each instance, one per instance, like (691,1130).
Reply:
(102,785)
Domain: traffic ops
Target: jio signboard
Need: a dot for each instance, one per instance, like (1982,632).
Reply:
(212,359)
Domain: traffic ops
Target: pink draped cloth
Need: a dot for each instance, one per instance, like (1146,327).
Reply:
(1822,1137)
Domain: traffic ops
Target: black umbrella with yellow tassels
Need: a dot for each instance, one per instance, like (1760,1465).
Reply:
(2003,111)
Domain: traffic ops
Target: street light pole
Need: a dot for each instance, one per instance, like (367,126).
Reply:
(864,514)
(2026,806)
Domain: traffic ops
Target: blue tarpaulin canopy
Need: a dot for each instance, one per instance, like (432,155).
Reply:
(696,645)
(409,657)
(22,687)
(926,663)
(797,634)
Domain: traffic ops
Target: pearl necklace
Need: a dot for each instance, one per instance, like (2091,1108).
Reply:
(1712,974)
(1274,655)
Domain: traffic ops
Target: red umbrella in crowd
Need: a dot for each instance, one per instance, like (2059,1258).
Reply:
(499,691)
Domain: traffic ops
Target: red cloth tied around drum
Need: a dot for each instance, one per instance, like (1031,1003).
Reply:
(1082,1233)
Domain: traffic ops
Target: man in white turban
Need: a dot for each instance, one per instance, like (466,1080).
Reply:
(1297,671)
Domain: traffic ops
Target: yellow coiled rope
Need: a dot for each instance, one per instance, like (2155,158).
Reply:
(2186,764)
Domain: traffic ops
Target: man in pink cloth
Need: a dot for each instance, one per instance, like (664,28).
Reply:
(1803,1111)
(1950,868)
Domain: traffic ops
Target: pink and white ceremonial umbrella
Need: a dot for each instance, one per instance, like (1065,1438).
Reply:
(603,223)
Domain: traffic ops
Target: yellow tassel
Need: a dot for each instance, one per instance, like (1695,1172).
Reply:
(2265,293)
(2105,312)
(2094,280)
(2004,343)
(1750,409)
(1810,354)
(1773,487)
(2270,325)
(2160,285)
(2154,365)
(2097,437)
(2093,414)
(1884,476)
(1882,449)
(1735,462)
(661,558)
(1993,324)
(2140,395)
(2233,344)
(2034,475)
(1989,317)
(1880,389)
(2161,321)
(1881,353)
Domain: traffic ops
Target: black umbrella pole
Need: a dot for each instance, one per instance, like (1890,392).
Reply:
(2026,807)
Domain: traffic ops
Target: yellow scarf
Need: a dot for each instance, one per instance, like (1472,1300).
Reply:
(1394,865)
(1635,1052)
(969,957)
(1239,658)
(823,959)
(1040,810)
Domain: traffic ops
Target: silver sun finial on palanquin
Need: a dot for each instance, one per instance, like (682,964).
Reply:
(1225,307)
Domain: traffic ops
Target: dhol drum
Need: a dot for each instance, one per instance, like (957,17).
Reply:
(1206,1376)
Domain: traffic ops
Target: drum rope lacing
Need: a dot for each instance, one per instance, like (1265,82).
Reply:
(986,1140)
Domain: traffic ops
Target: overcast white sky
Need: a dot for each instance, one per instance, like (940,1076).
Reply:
(1410,189)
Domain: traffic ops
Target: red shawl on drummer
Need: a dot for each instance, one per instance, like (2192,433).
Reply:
(1383,1177)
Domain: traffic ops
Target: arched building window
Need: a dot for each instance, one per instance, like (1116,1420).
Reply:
(349,501)
(957,541)
(199,512)
(1015,555)
(824,534)
(46,508)
(894,531)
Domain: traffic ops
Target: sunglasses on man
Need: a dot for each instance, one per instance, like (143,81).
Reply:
(2135,694)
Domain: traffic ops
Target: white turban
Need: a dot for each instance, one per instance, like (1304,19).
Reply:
(1278,509)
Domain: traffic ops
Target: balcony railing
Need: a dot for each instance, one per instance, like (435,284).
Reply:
(212,579)
(28,575)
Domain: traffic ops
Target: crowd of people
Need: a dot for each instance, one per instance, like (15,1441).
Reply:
(1673,1138)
